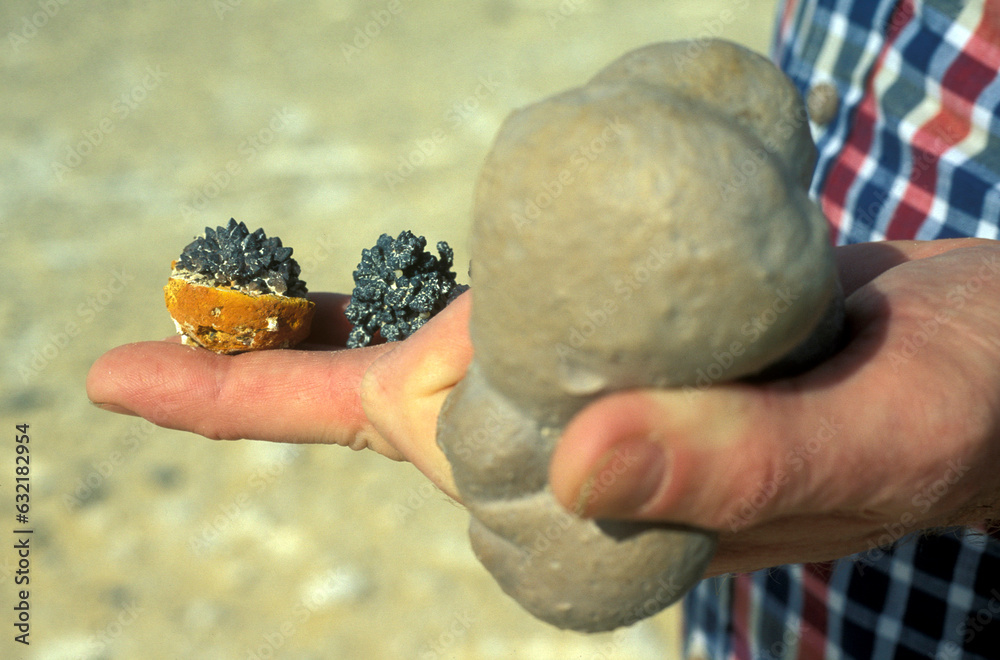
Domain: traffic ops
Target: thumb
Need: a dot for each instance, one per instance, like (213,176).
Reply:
(403,390)
(718,459)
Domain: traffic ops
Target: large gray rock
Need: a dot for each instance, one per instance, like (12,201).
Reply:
(649,229)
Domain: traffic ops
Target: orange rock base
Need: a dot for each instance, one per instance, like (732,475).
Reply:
(230,321)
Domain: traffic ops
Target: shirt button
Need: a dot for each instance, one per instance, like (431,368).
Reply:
(822,103)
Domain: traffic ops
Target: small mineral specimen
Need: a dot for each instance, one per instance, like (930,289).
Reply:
(398,287)
(233,291)
(232,256)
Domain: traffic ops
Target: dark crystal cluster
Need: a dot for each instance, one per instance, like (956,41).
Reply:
(398,287)
(251,262)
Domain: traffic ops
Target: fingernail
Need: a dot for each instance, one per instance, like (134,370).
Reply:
(625,479)
(115,408)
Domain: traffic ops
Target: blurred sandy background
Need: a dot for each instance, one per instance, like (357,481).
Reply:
(127,127)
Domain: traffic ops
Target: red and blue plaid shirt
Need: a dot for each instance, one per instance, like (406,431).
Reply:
(912,152)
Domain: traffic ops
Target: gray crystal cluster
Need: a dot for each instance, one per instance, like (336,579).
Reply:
(252,262)
(398,287)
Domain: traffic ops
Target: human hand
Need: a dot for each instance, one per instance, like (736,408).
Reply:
(384,397)
(896,433)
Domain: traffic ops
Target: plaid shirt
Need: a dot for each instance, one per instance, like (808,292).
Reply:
(911,152)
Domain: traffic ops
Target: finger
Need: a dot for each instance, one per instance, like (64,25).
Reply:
(722,460)
(806,538)
(404,390)
(646,453)
(860,263)
(281,395)
(329,326)
(738,455)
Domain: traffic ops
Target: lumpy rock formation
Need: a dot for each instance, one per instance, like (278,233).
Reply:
(626,233)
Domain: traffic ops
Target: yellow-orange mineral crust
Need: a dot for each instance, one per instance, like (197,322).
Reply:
(230,321)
